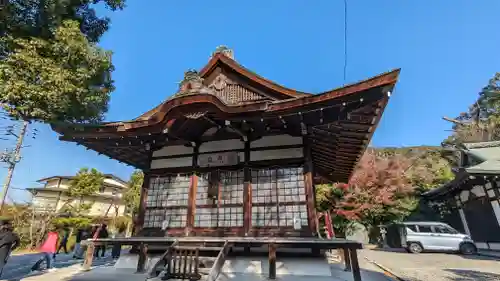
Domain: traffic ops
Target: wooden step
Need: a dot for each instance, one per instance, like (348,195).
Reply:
(201,249)
(204,271)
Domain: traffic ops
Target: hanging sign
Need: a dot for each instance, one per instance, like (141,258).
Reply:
(218,159)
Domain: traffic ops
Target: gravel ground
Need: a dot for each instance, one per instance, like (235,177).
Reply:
(436,266)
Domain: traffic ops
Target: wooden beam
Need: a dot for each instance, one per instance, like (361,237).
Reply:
(338,132)
(308,185)
(247,191)
(191,211)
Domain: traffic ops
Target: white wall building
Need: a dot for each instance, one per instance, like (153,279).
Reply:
(53,195)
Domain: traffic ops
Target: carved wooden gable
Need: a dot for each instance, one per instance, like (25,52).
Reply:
(233,93)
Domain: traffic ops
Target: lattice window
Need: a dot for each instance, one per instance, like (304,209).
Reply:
(231,185)
(167,201)
(291,185)
(230,216)
(206,217)
(202,190)
(289,212)
(278,197)
(223,211)
(154,218)
(176,218)
(264,184)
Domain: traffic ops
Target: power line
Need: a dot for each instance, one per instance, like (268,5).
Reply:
(345,41)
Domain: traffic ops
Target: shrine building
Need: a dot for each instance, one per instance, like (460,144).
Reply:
(234,154)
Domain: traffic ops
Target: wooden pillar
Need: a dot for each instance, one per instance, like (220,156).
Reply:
(247,192)
(142,204)
(191,211)
(193,190)
(272,261)
(89,256)
(308,185)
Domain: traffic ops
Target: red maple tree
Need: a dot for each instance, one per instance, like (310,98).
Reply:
(379,191)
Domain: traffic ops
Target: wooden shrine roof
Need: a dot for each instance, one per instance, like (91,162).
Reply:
(224,100)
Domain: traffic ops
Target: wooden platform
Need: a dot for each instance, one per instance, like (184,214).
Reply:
(176,248)
(293,242)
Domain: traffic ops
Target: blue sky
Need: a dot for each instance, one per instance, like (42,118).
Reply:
(447,51)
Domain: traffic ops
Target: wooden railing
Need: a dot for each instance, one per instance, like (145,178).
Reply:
(165,258)
(183,264)
(219,262)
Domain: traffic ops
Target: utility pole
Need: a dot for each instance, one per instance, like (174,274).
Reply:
(12,158)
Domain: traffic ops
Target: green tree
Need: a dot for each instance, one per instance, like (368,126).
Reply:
(63,79)
(481,122)
(40,18)
(133,194)
(85,183)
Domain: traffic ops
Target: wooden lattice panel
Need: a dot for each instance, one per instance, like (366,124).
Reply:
(226,209)
(278,197)
(264,192)
(167,201)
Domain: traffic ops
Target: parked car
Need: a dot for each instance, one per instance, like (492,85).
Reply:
(417,237)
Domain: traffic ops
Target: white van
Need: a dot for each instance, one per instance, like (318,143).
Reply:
(436,236)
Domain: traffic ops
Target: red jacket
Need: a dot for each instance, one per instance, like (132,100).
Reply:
(50,244)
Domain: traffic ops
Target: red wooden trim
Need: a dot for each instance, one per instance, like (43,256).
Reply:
(191,212)
(311,213)
(247,208)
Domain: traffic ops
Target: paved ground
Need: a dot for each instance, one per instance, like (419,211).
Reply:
(19,266)
(436,266)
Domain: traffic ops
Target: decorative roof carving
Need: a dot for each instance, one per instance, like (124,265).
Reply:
(192,81)
(225,51)
(231,92)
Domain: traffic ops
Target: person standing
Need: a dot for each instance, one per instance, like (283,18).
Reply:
(78,240)
(117,247)
(102,233)
(64,242)
(9,240)
(48,249)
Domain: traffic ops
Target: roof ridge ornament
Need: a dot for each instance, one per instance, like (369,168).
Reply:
(226,51)
(192,81)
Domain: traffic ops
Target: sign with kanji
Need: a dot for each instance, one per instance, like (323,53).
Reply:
(218,159)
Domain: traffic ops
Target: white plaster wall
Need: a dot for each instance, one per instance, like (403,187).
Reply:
(221,145)
(173,150)
(276,154)
(52,183)
(276,140)
(172,163)
(45,200)
(114,183)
